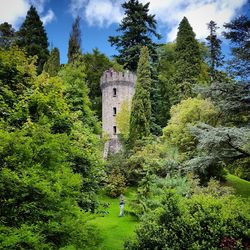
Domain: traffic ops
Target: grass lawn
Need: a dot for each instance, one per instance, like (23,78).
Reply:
(114,229)
(242,187)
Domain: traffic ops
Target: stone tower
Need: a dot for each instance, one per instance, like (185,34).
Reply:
(116,87)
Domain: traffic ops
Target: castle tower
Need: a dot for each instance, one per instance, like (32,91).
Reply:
(116,87)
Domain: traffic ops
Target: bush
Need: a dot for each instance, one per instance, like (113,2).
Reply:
(116,184)
(201,222)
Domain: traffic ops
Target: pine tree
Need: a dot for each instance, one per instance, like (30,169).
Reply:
(33,38)
(141,104)
(52,66)
(215,55)
(7,35)
(136,28)
(188,59)
(74,48)
(238,32)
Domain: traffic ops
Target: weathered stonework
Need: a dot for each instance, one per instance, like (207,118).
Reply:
(116,87)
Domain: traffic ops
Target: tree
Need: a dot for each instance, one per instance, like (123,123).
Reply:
(74,46)
(33,38)
(141,104)
(7,35)
(136,28)
(239,35)
(215,55)
(122,119)
(188,60)
(95,64)
(52,66)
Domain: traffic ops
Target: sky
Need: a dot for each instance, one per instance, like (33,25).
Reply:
(100,18)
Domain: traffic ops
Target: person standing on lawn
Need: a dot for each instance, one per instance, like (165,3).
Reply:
(122,203)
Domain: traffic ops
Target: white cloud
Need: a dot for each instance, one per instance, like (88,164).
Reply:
(198,12)
(168,13)
(14,11)
(49,17)
(98,12)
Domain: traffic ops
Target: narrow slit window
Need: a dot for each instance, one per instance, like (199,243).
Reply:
(114,128)
(114,111)
(114,91)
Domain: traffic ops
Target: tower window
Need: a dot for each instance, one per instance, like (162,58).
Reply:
(114,91)
(114,129)
(114,111)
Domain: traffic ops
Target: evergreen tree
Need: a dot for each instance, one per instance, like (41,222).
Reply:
(74,48)
(215,55)
(52,66)
(188,60)
(7,35)
(135,29)
(33,38)
(95,64)
(141,104)
(239,34)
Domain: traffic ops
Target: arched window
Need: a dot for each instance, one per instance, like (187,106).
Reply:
(114,91)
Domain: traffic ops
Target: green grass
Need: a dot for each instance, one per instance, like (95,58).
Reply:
(114,229)
(242,187)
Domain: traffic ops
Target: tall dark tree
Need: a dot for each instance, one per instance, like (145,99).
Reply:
(141,103)
(33,38)
(95,64)
(215,55)
(238,32)
(136,29)
(188,59)
(52,66)
(74,48)
(7,35)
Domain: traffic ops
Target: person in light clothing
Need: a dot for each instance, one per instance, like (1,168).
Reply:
(122,203)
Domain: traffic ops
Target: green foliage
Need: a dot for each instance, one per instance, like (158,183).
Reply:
(215,55)
(74,46)
(17,73)
(95,64)
(201,222)
(122,120)
(238,33)
(188,60)
(115,184)
(135,28)
(52,66)
(50,161)
(7,35)
(189,112)
(141,104)
(76,93)
(33,38)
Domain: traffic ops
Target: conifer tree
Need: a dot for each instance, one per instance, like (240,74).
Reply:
(52,66)
(141,104)
(33,38)
(136,28)
(188,63)
(214,45)
(74,48)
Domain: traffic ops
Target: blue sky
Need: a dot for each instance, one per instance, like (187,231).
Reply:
(100,18)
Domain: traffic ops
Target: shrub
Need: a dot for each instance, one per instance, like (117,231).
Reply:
(116,184)
(201,222)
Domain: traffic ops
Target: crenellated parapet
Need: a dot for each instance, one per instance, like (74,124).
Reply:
(111,77)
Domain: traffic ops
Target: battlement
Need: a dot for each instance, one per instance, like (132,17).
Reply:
(110,76)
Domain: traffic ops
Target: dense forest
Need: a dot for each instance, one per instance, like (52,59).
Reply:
(185,165)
